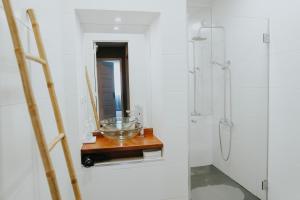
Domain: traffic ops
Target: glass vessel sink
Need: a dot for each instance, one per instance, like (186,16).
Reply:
(120,128)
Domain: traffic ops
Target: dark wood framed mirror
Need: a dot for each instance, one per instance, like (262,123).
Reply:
(112,79)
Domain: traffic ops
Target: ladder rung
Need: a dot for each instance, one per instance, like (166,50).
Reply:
(55,141)
(36,59)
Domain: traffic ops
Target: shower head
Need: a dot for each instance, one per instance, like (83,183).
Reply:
(198,38)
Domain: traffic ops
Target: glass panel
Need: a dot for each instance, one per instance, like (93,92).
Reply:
(229,76)
(241,73)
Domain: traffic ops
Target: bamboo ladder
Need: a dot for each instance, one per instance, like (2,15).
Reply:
(88,82)
(44,149)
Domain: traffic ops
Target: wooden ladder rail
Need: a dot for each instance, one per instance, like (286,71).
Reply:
(90,91)
(32,106)
(54,102)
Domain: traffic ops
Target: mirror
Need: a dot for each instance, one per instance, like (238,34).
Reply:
(112,79)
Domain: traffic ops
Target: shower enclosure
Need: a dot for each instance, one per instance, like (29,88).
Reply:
(228,104)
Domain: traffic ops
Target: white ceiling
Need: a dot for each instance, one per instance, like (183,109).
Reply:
(103,21)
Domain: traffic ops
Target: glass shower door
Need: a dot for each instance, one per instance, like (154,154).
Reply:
(240,58)
(229,92)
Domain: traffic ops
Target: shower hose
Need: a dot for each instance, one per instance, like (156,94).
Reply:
(226,121)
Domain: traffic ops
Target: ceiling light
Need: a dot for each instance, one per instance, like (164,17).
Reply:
(118,19)
(116,28)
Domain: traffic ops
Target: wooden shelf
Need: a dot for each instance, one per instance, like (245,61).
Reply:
(106,149)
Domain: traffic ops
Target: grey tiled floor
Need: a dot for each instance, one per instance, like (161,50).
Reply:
(209,183)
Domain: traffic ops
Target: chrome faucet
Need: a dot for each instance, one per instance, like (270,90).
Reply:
(137,113)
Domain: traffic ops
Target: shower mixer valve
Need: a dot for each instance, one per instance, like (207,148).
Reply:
(224,66)
(194,71)
(226,122)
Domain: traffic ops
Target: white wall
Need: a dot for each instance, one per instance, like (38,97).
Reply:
(284,101)
(21,171)
(168,179)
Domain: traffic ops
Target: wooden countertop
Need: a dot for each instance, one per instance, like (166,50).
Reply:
(103,144)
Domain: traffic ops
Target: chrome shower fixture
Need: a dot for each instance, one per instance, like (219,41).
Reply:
(226,122)
(223,66)
(195,70)
(195,113)
(198,38)
(227,118)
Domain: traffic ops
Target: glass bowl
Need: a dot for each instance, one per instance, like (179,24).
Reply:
(120,128)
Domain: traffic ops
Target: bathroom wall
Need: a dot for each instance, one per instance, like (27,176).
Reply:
(168,179)
(284,89)
(21,171)
(284,101)
(73,62)
(200,141)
